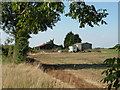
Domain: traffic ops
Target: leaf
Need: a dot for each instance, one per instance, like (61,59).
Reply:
(109,86)
(87,14)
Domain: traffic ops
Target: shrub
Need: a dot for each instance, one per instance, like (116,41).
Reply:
(7,50)
(112,73)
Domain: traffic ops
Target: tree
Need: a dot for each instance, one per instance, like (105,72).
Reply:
(112,72)
(20,19)
(71,39)
(117,46)
(87,14)
(77,38)
(51,41)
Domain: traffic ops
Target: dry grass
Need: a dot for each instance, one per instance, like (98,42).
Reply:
(28,76)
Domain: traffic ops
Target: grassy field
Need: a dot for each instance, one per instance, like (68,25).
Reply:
(75,58)
(81,70)
(88,66)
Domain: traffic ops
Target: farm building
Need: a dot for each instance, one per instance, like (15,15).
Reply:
(48,45)
(83,46)
(72,49)
(44,46)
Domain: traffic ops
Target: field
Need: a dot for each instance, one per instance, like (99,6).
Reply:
(64,70)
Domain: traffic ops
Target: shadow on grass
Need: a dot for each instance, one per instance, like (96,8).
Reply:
(72,66)
(45,67)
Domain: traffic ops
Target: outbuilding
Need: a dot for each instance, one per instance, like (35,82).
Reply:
(72,49)
(83,46)
(45,46)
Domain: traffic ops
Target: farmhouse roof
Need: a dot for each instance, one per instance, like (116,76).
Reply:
(42,45)
(82,43)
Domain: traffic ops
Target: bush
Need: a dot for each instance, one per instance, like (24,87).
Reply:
(116,46)
(33,50)
(7,50)
(7,53)
(112,73)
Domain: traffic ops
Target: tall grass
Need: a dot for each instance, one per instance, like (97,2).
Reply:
(28,76)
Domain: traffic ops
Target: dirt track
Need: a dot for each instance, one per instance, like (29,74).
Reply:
(71,79)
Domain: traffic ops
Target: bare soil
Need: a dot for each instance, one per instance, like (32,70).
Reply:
(71,79)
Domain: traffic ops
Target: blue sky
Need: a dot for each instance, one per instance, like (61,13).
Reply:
(104,36)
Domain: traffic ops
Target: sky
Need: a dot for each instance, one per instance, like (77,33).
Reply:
(104,36)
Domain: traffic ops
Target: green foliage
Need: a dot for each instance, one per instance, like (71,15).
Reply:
(7,53)
(30,16)
(34,50)
(7,50)
(117,47)
(71,39)
(51,41)
(4,51)
(87,14)
(21,49)
(6,59)
(112,73)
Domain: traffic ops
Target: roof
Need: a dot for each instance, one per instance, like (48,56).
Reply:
(42,45)
(82,43)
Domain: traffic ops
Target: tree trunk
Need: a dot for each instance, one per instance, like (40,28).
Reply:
(20,49)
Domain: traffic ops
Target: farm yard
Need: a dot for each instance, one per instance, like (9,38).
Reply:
(59,70)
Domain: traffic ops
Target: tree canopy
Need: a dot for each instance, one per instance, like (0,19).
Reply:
(87,14)
(30,16)
(71,39)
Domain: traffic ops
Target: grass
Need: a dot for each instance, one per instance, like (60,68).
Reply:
(65,60)
(28,76)
(91,75)
(6,60)
(69,58)
(108,52)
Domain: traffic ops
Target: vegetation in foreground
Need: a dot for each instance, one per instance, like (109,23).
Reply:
(28,76)
(112,73)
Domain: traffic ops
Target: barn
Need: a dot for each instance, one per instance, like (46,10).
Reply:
(48,46)
(44,46)
(83,46)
